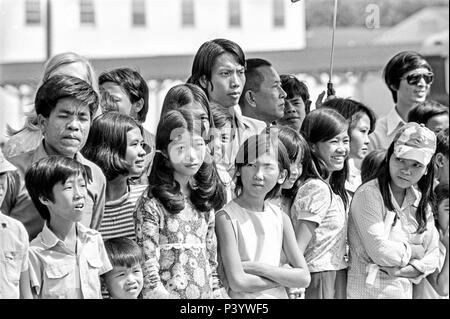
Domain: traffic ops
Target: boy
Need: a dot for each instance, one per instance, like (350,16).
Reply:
(125,280)
(14,277)
(66,258)
(441,157)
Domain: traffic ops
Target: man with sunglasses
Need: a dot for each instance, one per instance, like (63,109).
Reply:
(409,77)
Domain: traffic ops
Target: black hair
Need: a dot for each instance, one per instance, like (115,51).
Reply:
(423,112)
(64,86)
(106,144)
(319,126)
(44,174)
(399,65)
(371,164)
(253,76)
(132,83)
(207,192)
(256,146)
(123,252)
(352,110)
(442,143)
(425,186)
(206,57)
(294,87)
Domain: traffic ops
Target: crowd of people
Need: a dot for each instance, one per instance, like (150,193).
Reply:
(247,189)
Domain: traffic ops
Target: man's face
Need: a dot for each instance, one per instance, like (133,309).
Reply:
(270,96)
(119,96)
(294,113)
(67,128)
(411,94)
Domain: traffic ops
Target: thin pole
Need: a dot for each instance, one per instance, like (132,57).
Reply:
(330,83)
(48,30)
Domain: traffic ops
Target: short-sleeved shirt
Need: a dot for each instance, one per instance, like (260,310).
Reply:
(58,272)
(385,131)
(316,202)
(118,216)
(13,256)
(22,208)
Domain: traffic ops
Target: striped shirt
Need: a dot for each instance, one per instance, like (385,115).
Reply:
(118,215)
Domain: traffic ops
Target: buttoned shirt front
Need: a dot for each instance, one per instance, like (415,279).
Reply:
(13,256)
(22,208)
(385,131)
(58,272)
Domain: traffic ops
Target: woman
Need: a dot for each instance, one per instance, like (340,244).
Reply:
(391,233)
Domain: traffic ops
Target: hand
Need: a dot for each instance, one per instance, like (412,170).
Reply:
(390,271)
(417,251)
(320,100)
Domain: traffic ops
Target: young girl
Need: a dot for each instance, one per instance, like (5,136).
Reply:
(319,208)
(252,232)
(175,217)
(125,280)
(115,144)
(392,238)
(435,286)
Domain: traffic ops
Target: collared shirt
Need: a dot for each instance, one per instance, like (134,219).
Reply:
(58,272)
(370,243)
(22,208)
(13,256)
(385,131)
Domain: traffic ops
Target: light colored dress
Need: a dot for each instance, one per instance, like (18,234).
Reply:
(180,250)
(259,237)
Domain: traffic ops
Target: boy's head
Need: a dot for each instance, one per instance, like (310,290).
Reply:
(441,206)
(441,157)
(58,184)
(432,114)
(125,280)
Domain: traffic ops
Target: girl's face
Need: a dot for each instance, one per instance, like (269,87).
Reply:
(334,151)
(125,282)
(443,214)
(227,81)
(438,123)
(68,199)
(222,138)
(186,154)
(359,145)
(135,153)
(199,113)
(260,176)
(416,93)
(405,172)
(296,170)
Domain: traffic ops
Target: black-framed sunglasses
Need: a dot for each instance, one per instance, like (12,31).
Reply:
(414,79)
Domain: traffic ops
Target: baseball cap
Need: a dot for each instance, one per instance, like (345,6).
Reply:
(415,142)
(5,166)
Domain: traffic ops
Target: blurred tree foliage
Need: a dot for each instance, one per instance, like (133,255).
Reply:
(352,13)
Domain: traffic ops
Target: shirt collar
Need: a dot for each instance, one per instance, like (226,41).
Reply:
(393,121)
(50,240)
(412,198)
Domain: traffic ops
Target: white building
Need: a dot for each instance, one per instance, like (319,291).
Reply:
(141,28)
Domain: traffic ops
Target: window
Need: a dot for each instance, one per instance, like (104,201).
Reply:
(138,12)
(234,9)
(33,12)
(87,12)
(187,13)
(278,13)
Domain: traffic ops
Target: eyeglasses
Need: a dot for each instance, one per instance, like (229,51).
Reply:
(414,79)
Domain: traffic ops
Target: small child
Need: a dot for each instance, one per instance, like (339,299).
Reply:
(14,276)
(435,286)
(66,258)
(125,280)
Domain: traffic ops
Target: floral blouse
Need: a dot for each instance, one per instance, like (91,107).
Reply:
(180,250)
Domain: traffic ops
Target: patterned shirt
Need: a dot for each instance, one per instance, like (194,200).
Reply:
(316,202)
(118,215)
(58,272)
(180,250)
(372,244)
(13,256)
